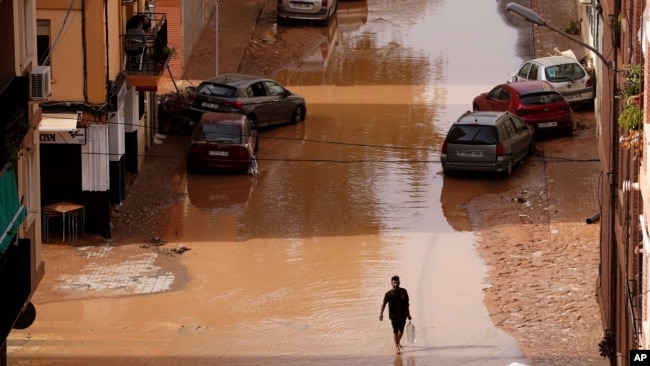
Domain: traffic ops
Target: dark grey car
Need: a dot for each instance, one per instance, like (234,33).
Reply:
(487,142)
(264,101)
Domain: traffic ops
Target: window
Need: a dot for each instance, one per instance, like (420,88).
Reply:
(512,130)
(43,42)
(541,98)
(473,135)
(523,72)
(256,90)
(274,88)
(217,90)
(534,70)
(499,94)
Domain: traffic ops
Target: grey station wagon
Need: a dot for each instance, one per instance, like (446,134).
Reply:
(487,141)
(264,101)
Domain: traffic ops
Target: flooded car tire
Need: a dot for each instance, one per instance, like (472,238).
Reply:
(297,116)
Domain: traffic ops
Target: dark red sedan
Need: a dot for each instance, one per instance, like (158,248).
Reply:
(223,142)
(536,102)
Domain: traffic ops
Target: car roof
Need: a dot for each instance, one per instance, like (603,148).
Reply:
(235,79)
(213,118)
(530,87)
(484,118)
(554,60)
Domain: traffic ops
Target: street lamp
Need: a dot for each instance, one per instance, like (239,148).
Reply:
(612,166)
(534,18)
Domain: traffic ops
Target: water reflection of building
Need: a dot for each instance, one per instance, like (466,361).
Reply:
(352,15)
(317,61)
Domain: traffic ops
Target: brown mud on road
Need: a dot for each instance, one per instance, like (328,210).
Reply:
(542,255)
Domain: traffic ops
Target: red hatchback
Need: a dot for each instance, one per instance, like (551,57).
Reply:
(222,141)
(536,102)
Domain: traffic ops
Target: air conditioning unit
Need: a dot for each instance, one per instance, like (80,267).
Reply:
(39,83)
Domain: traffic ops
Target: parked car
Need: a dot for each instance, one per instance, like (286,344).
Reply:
(487,141)
(263,100)
(222,141)
(319,10)
(536,102)
(566,75)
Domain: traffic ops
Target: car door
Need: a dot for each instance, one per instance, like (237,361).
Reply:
(523,72)
(498,99)
(259,103)
(521,137)
(283,106)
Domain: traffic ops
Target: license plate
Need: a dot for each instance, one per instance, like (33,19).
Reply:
(301,5)
(573,97)
(472,153)
(218,153)
(210,105)
(547,124)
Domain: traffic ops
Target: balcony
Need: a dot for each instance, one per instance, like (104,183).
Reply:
(145,61)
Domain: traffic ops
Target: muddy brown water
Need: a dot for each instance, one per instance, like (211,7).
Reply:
(289,267)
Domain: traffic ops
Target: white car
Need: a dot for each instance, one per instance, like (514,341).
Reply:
(318,10)
(566,75)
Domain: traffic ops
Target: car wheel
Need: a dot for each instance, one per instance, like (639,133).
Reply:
(508,172)
(297,116)
(324,22)
(569,132)
(531,148)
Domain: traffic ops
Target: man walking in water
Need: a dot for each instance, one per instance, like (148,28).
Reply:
(398,310)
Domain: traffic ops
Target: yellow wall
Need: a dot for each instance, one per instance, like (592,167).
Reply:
(79,76)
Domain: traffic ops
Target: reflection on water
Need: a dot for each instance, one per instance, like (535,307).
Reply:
(220,191)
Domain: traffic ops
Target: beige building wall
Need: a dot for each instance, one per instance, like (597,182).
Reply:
(80,66)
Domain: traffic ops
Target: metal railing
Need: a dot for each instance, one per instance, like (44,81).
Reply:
(156,52)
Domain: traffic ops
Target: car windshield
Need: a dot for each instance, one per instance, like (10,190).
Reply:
(473,135)
(217,90)
(541,98)
(564,72)
(230,134)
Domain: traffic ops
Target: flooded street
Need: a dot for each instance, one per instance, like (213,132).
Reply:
(289,267)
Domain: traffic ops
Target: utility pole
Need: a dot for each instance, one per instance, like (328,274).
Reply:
(216,46)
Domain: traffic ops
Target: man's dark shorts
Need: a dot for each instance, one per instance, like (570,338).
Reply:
(398,325)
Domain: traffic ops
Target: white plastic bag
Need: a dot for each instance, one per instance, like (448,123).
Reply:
(410,332)
(252,169)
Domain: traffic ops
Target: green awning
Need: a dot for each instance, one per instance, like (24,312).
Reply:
(12,213)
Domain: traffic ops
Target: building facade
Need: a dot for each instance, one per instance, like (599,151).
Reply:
(21,264)
(100,117)
(622,286)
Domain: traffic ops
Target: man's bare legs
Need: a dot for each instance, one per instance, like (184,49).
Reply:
(398,337)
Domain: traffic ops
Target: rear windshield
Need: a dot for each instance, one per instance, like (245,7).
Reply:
(217,90)
(230,134)
(473,135)
(541,98)
(564,72)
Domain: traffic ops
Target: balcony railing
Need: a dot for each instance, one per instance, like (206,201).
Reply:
(151,55)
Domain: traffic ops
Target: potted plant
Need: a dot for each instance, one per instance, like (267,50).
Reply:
(573,28)
(631,119)
(632,86)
